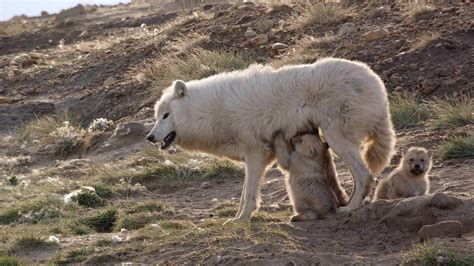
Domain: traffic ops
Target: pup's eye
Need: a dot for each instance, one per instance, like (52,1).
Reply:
(166,115)
(411,160)
(422,160)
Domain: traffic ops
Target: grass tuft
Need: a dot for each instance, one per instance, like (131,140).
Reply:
(428,254)
(31,211)
(10,261)
(453,114)
(194,64)
(458,147)
(134,221)
(419,10)
(103,221)
(30,242)
(322,14)
(425,40)
(407,111)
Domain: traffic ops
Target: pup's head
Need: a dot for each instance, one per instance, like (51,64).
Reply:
(164,130)
(309,145)
(417,160)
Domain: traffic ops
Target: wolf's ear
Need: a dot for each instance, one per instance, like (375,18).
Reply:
(180,89)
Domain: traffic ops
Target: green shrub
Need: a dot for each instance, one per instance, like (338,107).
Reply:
(103,221)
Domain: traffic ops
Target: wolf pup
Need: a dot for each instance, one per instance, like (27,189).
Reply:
(410,178)
(307,182)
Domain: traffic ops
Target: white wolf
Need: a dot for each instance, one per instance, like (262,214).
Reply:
(235,114)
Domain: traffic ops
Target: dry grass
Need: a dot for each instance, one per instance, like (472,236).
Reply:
(30,242)
(453,113)
(407,111)
(308,50)
(419,10)
(458,148)
(322,14)
(43,127)
(425,40)
(195,64)
(428,254)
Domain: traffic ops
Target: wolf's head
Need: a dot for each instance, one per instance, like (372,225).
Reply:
(417,161)
(164,130)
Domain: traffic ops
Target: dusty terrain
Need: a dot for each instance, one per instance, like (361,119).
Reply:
(112,62)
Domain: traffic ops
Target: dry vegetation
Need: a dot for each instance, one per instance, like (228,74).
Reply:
(322,14)
(147,192)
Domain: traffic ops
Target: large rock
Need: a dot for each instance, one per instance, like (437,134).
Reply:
(70,13)
(441,229)
(376,35)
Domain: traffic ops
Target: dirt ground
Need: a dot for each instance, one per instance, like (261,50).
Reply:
(89,65)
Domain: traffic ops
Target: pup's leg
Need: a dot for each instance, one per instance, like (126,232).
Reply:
(349,153)
(254,167)
(341,195)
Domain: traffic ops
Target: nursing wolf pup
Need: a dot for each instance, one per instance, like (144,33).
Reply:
(310,175)
(410,178)
(235,114)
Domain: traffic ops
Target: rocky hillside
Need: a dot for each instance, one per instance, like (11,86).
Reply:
(79,183)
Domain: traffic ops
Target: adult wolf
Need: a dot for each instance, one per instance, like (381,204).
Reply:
(235,114)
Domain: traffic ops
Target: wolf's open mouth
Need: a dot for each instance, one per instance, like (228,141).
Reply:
(168,140)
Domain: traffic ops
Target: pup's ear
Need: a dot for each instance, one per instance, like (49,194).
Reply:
(430,154)
(180,89)
(296,140)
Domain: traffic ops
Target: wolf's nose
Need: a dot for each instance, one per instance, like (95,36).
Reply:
(417,166)
(151,138)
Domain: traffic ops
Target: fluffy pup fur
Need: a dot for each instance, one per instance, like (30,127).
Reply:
(234,114)
(410,178)
(310,175)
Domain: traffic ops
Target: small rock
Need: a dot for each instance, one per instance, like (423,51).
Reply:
(83,34)
(207,7)
(250,33)
(260,39)
(395,78)
(116,239)
(214,200)
(347,28)
(109,81)
(376,35)
(155,225)
(441,229)
(413,66)
(53,239)
(379,12)
(265,25)
(278,46)
(44,13)
(124,231)
(205,185)
(216,28)
(23,61)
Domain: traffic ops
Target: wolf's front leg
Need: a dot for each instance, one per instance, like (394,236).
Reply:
(255,165)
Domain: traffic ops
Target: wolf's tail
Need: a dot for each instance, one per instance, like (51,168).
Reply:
(379,146)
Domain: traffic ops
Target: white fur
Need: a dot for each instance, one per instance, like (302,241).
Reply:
(234,114)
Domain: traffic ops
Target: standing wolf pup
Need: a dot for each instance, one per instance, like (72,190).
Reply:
(410,178)
(311,183)
(234,114)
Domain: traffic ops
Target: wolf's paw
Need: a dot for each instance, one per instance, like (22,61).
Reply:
(237,221)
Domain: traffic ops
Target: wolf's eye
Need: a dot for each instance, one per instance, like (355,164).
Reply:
(422,160)
(166,115)
(411,160)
